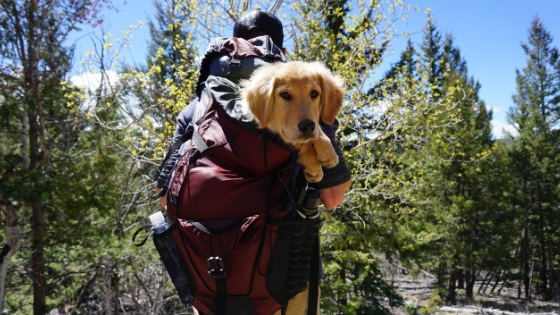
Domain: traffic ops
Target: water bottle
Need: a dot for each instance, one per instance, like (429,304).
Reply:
(159,222)
(171,256)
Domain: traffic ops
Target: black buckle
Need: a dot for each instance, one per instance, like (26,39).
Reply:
(216,267)
(234,66)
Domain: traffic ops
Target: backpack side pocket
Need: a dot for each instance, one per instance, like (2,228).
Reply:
(290,261)
(175,264)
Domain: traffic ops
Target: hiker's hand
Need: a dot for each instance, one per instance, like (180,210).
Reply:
(162,200)
(334,196)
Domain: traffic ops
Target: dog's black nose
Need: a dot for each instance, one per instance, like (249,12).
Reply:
(306,126)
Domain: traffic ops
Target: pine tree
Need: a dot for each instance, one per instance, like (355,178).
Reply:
(402,73)
(431,58)
(60,176)
(534,157)
(171,42)
(449,203)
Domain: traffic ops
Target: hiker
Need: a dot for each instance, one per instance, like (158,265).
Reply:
(256,23)
(264,28)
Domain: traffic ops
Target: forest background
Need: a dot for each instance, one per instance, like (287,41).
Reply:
(433,191)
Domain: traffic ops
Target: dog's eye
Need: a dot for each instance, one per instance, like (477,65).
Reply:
(314,94)
(286,96)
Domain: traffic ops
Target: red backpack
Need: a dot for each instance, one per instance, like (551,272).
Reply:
(246,224)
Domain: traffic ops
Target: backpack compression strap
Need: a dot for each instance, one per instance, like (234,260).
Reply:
(218,272)
(313,297)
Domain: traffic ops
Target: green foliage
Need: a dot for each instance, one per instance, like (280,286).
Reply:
(65,175)
(449,209)
(431,188)
(534,161)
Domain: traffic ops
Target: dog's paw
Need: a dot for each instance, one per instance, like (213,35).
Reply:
(329,161)
(313,174)
(326,155)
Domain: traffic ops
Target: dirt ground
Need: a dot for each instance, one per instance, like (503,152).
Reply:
(419,293)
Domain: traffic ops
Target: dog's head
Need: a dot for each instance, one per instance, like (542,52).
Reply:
(289,98)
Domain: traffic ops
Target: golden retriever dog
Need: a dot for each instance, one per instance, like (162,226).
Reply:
(288,99)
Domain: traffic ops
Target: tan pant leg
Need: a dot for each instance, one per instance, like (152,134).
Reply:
(298,304)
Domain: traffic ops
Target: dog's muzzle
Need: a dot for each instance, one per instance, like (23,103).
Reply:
(307,128)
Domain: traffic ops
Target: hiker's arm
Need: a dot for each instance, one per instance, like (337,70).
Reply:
(336,180)
(183,120)
(334,196)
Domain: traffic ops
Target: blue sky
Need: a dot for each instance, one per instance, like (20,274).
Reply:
(488,32)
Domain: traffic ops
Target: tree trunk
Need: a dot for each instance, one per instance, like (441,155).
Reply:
(471,278)
(498,277)
(552,274)
(343,300)
(543,273)
(451,295)
(10,248)
(441,277)
(485,282)
(38,154)
(38,216)
(461,280)
(115,287)
(38,260)
(524,251)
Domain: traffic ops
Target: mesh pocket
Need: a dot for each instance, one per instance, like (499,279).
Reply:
(174,264)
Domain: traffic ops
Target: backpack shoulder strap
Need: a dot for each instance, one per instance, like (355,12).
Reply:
(170,154)
(237,48)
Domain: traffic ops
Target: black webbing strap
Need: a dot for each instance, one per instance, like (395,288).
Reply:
(221,296)
(284,308)
(313,297)
(176,145)
(217,271)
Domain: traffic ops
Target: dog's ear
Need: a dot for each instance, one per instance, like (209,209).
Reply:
(258,92)
(332,87)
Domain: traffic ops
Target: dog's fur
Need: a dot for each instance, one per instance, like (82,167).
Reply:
(288,99)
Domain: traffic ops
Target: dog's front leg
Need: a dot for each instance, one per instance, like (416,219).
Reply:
(326,155)
(312,168)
